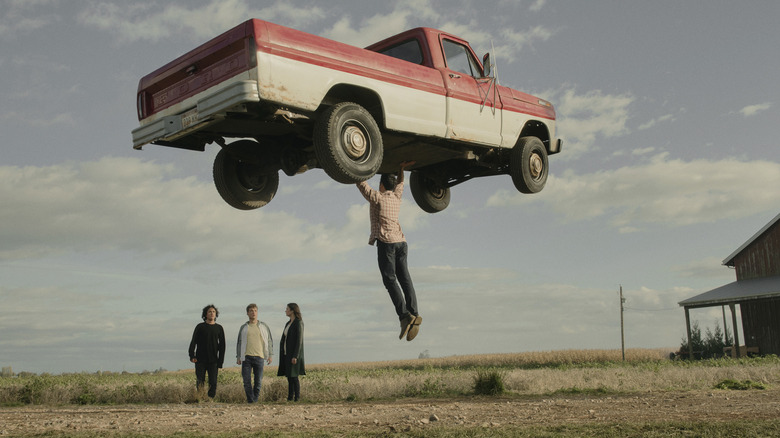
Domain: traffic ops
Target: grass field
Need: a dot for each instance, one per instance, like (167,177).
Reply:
(522,376)
(538,373)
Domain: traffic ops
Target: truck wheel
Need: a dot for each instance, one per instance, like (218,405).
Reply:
(347,143)
(528,165)
(242,184)
(429,196)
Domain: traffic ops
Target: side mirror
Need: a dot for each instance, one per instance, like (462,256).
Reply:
(486,65)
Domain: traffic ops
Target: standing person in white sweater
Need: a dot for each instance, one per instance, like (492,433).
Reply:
(254,348)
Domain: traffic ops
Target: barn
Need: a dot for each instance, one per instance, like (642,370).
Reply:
(755,294)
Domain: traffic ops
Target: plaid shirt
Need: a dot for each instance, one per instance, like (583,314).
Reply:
(384,207)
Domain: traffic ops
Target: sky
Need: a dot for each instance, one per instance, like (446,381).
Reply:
(669,112)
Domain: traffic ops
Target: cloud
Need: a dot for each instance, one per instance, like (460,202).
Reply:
(584,118)
(710,267)
(64,310)
(643,151)
(410,13)
(150,22)
(369,30)
(649,124)
(133,205)
(37,120)
(537,5)
(145,21)
(752,110)
(20,17)
(86,331)
(344,311)
(405,14)
(560,315)
(516,41)
(380,26)
(665,191)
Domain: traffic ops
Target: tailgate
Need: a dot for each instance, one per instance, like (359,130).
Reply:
(219,59)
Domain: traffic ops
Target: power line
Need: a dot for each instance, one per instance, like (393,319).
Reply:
(650,310)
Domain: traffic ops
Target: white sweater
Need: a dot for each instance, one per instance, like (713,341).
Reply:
(268,342)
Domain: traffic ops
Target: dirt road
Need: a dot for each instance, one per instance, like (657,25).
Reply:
(399,415)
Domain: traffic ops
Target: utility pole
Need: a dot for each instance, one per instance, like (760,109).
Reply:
(622,333)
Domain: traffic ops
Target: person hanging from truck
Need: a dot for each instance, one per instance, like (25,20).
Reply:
(392,248)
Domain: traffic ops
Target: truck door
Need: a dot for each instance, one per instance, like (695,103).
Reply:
(473,106)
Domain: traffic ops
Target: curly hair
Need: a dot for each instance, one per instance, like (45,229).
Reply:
(206,309)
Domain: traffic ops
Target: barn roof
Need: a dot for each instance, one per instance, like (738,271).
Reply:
(737,291)
(729,261)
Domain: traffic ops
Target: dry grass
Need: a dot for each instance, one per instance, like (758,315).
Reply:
(529,376)
(523,374)
(523,360)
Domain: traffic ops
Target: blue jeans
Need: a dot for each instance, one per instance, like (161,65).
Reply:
(248,365)
(392,266)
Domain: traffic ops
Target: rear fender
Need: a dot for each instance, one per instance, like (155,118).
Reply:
(364,97)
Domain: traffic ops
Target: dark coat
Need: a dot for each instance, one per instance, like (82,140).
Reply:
(293,342)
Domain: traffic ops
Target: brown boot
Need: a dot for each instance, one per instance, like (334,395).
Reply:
(415,328)
(406,324)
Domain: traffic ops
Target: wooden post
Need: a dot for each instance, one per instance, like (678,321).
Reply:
(622,333)
(688,332)
(734,325)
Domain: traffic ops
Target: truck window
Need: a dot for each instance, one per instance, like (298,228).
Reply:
(459,59)
(407,51)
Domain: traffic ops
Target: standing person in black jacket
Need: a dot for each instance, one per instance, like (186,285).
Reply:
(207,349)
(291,362)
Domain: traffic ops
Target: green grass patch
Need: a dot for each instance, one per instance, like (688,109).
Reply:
(739,385)
(489,382)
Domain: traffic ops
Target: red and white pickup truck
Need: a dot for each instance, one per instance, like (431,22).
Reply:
(293,101)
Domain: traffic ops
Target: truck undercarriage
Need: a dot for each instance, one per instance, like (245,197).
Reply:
(246,171)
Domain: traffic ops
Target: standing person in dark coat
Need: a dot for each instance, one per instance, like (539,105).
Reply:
(291,363)
(207,349)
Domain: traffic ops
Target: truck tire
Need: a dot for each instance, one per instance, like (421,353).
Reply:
(427,194)
(347,143)
(242,184)
(528,165)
